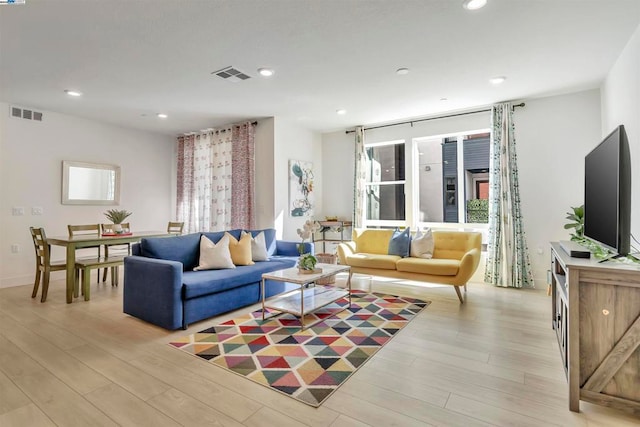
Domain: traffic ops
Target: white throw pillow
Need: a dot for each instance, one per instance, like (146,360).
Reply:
(214,256)
(422,244)
(258,247)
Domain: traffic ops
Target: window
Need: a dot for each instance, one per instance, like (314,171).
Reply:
(452,178)
(443,181)
(385,187)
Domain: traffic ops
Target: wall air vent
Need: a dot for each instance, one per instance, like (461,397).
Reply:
(230,74)
(25,113)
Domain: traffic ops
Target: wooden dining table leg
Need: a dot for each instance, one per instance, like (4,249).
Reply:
(71,266)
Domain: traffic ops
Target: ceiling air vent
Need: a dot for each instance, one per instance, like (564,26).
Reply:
(25,113)
(230,74)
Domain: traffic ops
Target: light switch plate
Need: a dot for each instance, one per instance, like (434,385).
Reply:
(36,210)
(18,211)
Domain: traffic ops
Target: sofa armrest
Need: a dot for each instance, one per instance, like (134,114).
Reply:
(153,291)
(288,248)
(468,265)
(344,249)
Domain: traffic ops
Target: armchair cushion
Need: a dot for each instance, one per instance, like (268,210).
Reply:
(422,244)
(386,262)
(436,267)
(400,243)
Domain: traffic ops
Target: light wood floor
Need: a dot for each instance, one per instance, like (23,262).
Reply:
(491,361)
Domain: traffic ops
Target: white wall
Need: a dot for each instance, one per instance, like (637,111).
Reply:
(31,155)
(264,179)
(297,143)
(553,135)
(621,105)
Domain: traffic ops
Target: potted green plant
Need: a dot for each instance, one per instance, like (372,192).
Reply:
(117,216)
(577,223)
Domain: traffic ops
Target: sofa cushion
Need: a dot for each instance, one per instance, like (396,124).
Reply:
(422,244)
(214,256)
(386,262)
(184,249)
(215,236)
(436,267)
(372,241)
(240,249)
(400,243)
(269,239)
(198,283)
(258,246)
(452,244)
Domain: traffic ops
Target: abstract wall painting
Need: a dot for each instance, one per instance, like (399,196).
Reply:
(301,197)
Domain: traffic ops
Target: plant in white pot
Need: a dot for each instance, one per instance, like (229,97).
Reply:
(117,216)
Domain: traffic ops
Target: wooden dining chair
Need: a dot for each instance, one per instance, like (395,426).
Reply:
(175,227)
(122,249)
(44,265)
(87,229)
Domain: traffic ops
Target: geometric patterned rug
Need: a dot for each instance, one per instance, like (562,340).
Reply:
(306,365)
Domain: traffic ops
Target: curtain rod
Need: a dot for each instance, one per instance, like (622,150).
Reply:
(411,122)
(217,130)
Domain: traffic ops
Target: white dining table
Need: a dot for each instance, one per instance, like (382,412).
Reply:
(85,241)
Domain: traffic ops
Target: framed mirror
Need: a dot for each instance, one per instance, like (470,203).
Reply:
(90,183)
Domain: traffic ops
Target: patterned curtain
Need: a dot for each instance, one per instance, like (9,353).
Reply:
(243,177)
(204,176)
(507,253)
(359,180)
(212,167)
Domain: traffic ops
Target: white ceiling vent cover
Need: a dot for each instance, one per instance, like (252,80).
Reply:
(24,113)
(231,74)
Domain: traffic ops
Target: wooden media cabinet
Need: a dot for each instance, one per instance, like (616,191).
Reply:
(596,316)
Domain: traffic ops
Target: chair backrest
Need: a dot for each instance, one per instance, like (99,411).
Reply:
(108,228)
(175,227)
(42,249)
(75,230)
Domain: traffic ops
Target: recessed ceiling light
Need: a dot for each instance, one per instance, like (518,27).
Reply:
(497,80)
(72,92)
(265,72)
(162,116)
(402,71)
(341,111)
(444,99)
(474,4)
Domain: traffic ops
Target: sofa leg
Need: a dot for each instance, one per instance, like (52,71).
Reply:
(459,294)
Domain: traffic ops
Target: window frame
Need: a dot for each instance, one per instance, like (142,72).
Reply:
(384,223)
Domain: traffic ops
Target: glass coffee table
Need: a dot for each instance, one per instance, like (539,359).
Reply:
(309,297)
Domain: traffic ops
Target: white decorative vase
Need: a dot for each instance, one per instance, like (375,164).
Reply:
(117,228)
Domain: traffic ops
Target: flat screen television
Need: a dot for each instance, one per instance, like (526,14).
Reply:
(607,193)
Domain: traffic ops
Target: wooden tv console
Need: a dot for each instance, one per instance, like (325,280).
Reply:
(596,316)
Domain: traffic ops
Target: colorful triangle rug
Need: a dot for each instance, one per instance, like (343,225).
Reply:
(311,364)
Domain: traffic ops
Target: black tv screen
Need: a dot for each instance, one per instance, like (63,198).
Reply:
(607,193)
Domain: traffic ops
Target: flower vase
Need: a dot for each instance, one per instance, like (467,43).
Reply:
(117,228)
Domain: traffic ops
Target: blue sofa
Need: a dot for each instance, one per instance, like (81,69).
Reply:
(161,287)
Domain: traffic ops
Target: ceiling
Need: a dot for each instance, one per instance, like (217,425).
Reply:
(132,59)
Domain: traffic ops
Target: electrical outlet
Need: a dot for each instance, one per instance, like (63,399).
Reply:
(36,210)
(15,248)
(18,211)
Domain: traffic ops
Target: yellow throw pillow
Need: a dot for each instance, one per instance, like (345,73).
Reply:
(240,250)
